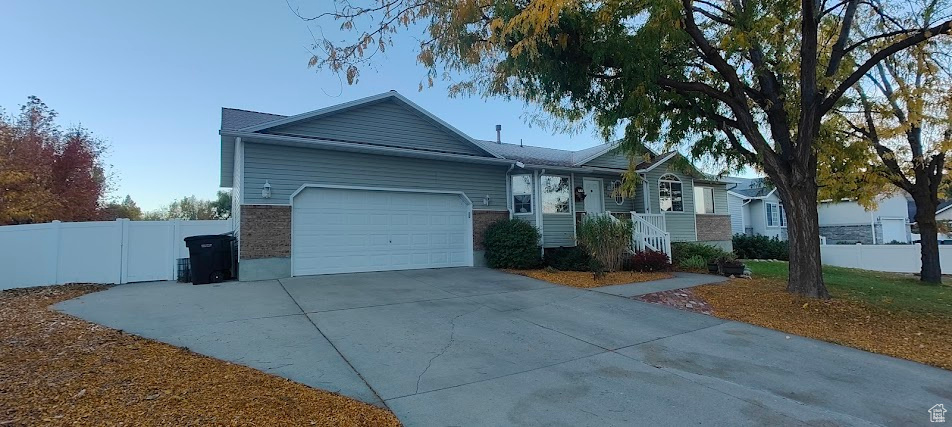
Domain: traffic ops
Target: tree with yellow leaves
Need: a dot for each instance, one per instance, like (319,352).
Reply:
(751,82)
(900,117)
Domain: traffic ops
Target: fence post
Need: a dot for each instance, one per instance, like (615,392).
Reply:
(56,248)
(123,224)
(173,248)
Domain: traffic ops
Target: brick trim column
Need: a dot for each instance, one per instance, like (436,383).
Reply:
(713,227)
(265,231)
(481,221)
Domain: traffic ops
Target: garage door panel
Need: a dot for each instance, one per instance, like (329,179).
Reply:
(342,230)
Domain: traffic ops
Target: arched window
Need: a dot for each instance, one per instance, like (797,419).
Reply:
(670,194)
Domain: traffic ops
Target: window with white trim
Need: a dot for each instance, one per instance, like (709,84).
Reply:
(670,194)
(703,200)
(776,215)
(522,194)
(556,194)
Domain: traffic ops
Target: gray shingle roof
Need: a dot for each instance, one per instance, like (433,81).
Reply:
(748,187)
(549,156)
(234,119)
(530,154)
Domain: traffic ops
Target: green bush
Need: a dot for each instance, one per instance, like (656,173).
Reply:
(682,251)
(696,262)
(607,239)
(512,243)
(760,247)
(567,259)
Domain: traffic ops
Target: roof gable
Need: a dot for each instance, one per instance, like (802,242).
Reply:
(387,119)
(604,156)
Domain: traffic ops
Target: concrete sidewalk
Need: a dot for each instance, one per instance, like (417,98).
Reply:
(474,346)
(679,281)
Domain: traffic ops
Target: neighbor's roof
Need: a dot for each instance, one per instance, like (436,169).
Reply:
(749,187)
(941,207)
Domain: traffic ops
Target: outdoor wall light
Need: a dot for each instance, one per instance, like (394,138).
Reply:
(486,200)
(266,190)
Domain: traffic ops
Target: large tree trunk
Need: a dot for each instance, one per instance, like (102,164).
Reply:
(931,271)
(803,233)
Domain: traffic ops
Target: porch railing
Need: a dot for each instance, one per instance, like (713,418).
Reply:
(646,235)
(656,220)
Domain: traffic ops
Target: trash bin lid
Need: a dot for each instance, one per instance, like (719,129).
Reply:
(207,237)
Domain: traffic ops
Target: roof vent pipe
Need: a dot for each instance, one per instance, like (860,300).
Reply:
(498,134)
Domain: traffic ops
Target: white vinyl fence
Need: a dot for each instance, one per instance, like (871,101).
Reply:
(891,258)
(119,251)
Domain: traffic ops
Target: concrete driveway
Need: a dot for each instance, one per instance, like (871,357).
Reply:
(472,346)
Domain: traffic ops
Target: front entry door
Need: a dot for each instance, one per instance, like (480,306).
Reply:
(594,202)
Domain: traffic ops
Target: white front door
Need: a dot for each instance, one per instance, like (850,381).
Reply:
(339,230)
(594,201)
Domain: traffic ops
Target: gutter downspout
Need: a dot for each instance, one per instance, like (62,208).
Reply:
(537,200)
(509,190)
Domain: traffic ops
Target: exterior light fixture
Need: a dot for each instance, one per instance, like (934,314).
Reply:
(486,200)
(266,190)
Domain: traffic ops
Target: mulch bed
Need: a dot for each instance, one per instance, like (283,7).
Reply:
(918,337)
(64,371)
(683,299)
(585,279)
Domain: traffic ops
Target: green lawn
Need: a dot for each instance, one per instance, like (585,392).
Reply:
(888,290)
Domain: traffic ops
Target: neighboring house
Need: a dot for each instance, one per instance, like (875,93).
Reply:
(381,184)
(943,212)
(756,208)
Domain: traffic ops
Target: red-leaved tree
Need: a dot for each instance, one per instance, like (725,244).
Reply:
(46,174)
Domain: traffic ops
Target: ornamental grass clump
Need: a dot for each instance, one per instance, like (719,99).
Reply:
(607,239)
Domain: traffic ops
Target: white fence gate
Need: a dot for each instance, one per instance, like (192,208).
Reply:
(119,251)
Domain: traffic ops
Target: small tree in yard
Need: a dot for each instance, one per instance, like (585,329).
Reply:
(751,82)
(607,239)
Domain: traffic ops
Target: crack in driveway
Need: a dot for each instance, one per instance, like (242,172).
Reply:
(445,347)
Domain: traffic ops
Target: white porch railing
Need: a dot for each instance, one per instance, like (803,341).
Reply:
(656,220)
(646,235)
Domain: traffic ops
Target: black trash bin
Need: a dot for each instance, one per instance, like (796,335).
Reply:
(213,258)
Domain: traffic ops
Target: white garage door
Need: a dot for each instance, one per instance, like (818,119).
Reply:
(350,230)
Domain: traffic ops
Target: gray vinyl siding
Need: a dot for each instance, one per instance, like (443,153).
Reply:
(388,122)
(530,218)
(558,230)
(288,168)
(236,188)
(736,208)
(720,198)
(681,225)
(614,159)
(227,157)
(610,206)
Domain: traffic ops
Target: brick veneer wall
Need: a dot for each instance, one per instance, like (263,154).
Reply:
(265,231)
(713,227)
(851,234)
(481,221)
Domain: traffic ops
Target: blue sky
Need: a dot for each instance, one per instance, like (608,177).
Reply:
(151,77)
